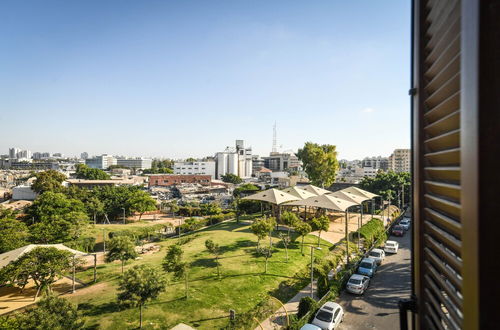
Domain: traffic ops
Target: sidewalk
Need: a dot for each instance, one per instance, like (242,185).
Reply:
(278,319)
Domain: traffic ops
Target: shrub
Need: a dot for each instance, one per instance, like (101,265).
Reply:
(306,304)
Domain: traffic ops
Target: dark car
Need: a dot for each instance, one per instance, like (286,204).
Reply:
(398,231)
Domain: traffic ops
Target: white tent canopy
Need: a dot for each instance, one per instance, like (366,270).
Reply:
(273,196)
(360,192)
(349,197)
(297,192)
(325,202)
(8,257)
(314,190)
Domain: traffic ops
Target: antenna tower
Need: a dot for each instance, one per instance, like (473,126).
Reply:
(275,145)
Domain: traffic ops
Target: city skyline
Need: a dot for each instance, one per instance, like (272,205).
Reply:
(177,80)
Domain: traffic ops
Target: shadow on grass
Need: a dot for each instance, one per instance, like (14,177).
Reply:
(94,310)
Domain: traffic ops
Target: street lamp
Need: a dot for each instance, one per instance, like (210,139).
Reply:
(123,215)
(312,268)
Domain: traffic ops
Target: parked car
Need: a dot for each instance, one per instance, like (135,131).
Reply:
(397,231)
(405,223)
(329,316)
(367,267)
(310,327)
(391,247)
(357,283)
(378,255)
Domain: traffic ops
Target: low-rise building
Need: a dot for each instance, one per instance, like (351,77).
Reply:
(135,163)
(277,162)
(23,193)
(177,179)
(195,168)
(89,184)
(101,162)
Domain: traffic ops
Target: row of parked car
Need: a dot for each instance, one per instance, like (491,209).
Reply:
(331,314)
(401,227)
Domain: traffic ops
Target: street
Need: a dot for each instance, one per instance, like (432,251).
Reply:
(378,307)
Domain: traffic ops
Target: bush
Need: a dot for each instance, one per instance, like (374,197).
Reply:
(306,304)
(248,206)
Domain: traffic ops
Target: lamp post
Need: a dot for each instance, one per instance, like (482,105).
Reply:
(123,215)
(103,242)
(312,268)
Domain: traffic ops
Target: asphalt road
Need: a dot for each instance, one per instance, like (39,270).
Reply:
(377,308)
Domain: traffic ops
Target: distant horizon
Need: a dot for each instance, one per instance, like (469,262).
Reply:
(186,79)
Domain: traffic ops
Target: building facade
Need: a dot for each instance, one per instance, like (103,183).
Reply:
(195,168)
(279,162)
(174,179)
(237,161)
(137,163)
(400,160)
(377,163)
(101,162)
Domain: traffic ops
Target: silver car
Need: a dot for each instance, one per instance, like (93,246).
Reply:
(378,255)
(405,223)
(329,316)
(357,284)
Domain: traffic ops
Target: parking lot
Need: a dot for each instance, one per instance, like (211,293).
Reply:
(377,308)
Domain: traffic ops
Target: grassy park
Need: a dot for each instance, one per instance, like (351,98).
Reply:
(242,286)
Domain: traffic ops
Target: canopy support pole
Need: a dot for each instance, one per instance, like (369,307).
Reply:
(95,267)
(73,290)
(347,235)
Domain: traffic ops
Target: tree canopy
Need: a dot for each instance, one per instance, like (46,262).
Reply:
(388,184)
(121,248)
(160,167)
(231,178)
(320,163)
(141,202)
(262,227)
(87,173)
(13,234)
(50,180)
(139,285)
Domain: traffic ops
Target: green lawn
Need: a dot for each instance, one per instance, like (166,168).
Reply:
(242,286)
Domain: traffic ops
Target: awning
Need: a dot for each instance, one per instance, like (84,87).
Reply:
(8,257)
(314,190)
(360,192)
(326,202)
(273,196)
(297,192)
(350,196)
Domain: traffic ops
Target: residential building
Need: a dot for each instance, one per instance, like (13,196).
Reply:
(13,152)
(257,164)
(84,155)
(101,162)
(137,163)
(400,160)
(279,162)
(377,163)
(177,179)
(196,168)
(89,184)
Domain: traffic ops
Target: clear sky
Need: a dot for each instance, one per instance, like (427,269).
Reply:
(186,78)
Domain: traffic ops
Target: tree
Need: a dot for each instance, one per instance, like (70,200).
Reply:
(51,312)
(139,285)
(289,219)
(141,202)
(174,263)
(58,218)
(320,163)
(214,249)
(321,223)
(50,180)
(388,185)
(13,234)
(285,238)
(302,228)
(121,248)
(87,173)
(94,207)
(44,265)
(261,228)
(245,189)
(267,252)
(231,178)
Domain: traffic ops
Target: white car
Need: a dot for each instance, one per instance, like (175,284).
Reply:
(357,284)
(378,255)
(405,223)
(391,247)
(329,316)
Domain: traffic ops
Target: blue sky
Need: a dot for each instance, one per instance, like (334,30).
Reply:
(187,78)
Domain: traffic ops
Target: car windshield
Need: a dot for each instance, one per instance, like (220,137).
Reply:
(324,316)
(354,281)
(365,265)
(375,254)
(398,228)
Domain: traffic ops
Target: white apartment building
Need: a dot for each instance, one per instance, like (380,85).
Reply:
(400,160)
(137,163)
(195,168)
(101,162)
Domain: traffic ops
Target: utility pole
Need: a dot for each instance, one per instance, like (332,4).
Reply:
(123,215)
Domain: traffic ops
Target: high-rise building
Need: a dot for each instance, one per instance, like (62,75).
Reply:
(400,160)
(13,152)
(84,155)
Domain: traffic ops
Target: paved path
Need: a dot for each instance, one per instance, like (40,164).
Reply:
(378,307)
